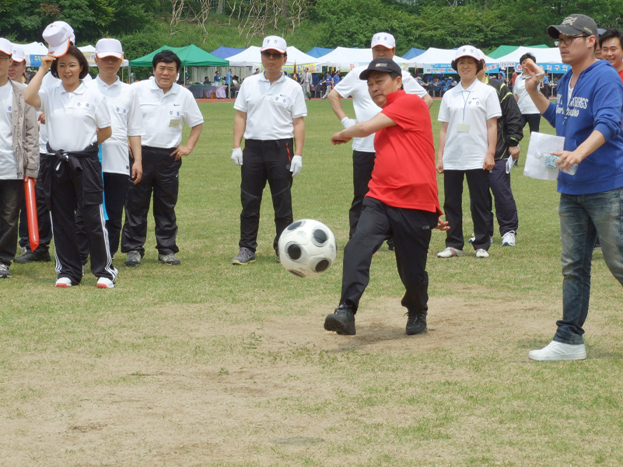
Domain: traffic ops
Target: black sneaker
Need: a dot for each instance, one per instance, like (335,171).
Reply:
(34,257)
(416,323)
(341,321)
(277,254)
(134,259)
(169,259)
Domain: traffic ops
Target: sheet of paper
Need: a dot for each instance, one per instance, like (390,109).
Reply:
(540,142)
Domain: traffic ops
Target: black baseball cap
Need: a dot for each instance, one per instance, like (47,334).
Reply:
(386,65)
(573,25)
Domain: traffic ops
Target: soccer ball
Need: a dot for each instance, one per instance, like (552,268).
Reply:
(307,248)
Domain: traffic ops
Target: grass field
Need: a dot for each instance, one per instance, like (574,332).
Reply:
(207,364)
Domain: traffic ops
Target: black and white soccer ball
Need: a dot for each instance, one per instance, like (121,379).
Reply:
(307,248)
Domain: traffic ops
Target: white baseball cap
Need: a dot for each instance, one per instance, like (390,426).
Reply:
(58,35)
(385,39)
(6,46)
(274,43)
(468,51)
(18,54)
(108,48)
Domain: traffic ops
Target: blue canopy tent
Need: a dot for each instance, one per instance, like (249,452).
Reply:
(414,52)
(226,52)
(319,52)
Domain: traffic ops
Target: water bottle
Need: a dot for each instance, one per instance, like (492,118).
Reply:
(550,161)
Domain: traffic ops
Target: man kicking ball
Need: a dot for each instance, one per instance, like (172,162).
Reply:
(401,202)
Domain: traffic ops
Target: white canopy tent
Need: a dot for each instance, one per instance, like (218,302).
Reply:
(549,59)
(345,59)
(439,60)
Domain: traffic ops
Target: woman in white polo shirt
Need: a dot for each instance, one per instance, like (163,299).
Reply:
(467,142)
(78,120)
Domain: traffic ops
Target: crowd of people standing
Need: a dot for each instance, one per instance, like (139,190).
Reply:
(126,148)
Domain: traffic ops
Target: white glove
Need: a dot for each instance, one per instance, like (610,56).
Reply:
(236,156)
(296,165)
(348,122)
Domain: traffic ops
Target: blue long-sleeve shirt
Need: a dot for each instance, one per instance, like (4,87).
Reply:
(596,104)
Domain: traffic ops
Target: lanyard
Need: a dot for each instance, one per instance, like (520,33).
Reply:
(465,102)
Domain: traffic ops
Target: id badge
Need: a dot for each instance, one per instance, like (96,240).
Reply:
(174,123)
(462,127)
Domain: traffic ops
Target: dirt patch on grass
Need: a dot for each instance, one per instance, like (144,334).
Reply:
(253,393)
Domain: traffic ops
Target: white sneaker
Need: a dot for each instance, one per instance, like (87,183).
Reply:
(105,283)
(559,351)
(509,238)
(63,282)
(481,253)
(449,252)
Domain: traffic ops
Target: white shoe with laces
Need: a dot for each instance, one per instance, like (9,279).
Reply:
(508,239)
(449,252)
(105,283)
(555,351)
(482,253)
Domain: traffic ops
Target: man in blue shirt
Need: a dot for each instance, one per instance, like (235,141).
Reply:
(228,82)
(587,114)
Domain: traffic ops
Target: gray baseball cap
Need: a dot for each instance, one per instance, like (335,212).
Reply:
(573,25)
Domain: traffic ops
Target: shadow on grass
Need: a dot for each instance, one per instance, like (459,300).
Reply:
(373,334)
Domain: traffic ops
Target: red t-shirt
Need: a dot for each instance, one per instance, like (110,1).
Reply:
(404,173)
(621,74)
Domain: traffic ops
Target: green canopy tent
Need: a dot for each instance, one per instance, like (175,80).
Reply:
(506,49)
(191,55)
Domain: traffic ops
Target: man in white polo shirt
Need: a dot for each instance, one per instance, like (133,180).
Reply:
(383,46)
(165,106)
(529,112)
(17,68)
(271,110)
(127,122)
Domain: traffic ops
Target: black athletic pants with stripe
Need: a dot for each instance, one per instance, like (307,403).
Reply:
(115,188)
(69,190)
(264,161)
(411,230)
(43,217)
(160,177)
(480,206)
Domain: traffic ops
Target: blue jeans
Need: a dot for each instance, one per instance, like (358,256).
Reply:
(582,219)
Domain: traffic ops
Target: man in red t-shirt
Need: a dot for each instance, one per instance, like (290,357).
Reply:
(611,44)
(401,202)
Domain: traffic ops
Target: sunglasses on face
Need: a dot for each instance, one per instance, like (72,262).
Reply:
(274,55)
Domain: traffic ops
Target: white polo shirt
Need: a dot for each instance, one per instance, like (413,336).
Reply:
(466,111)
(127,120)
(8,163)
(164,115)
(72,118)
(50,81)
(524,101)
(364,106)
(270,109)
